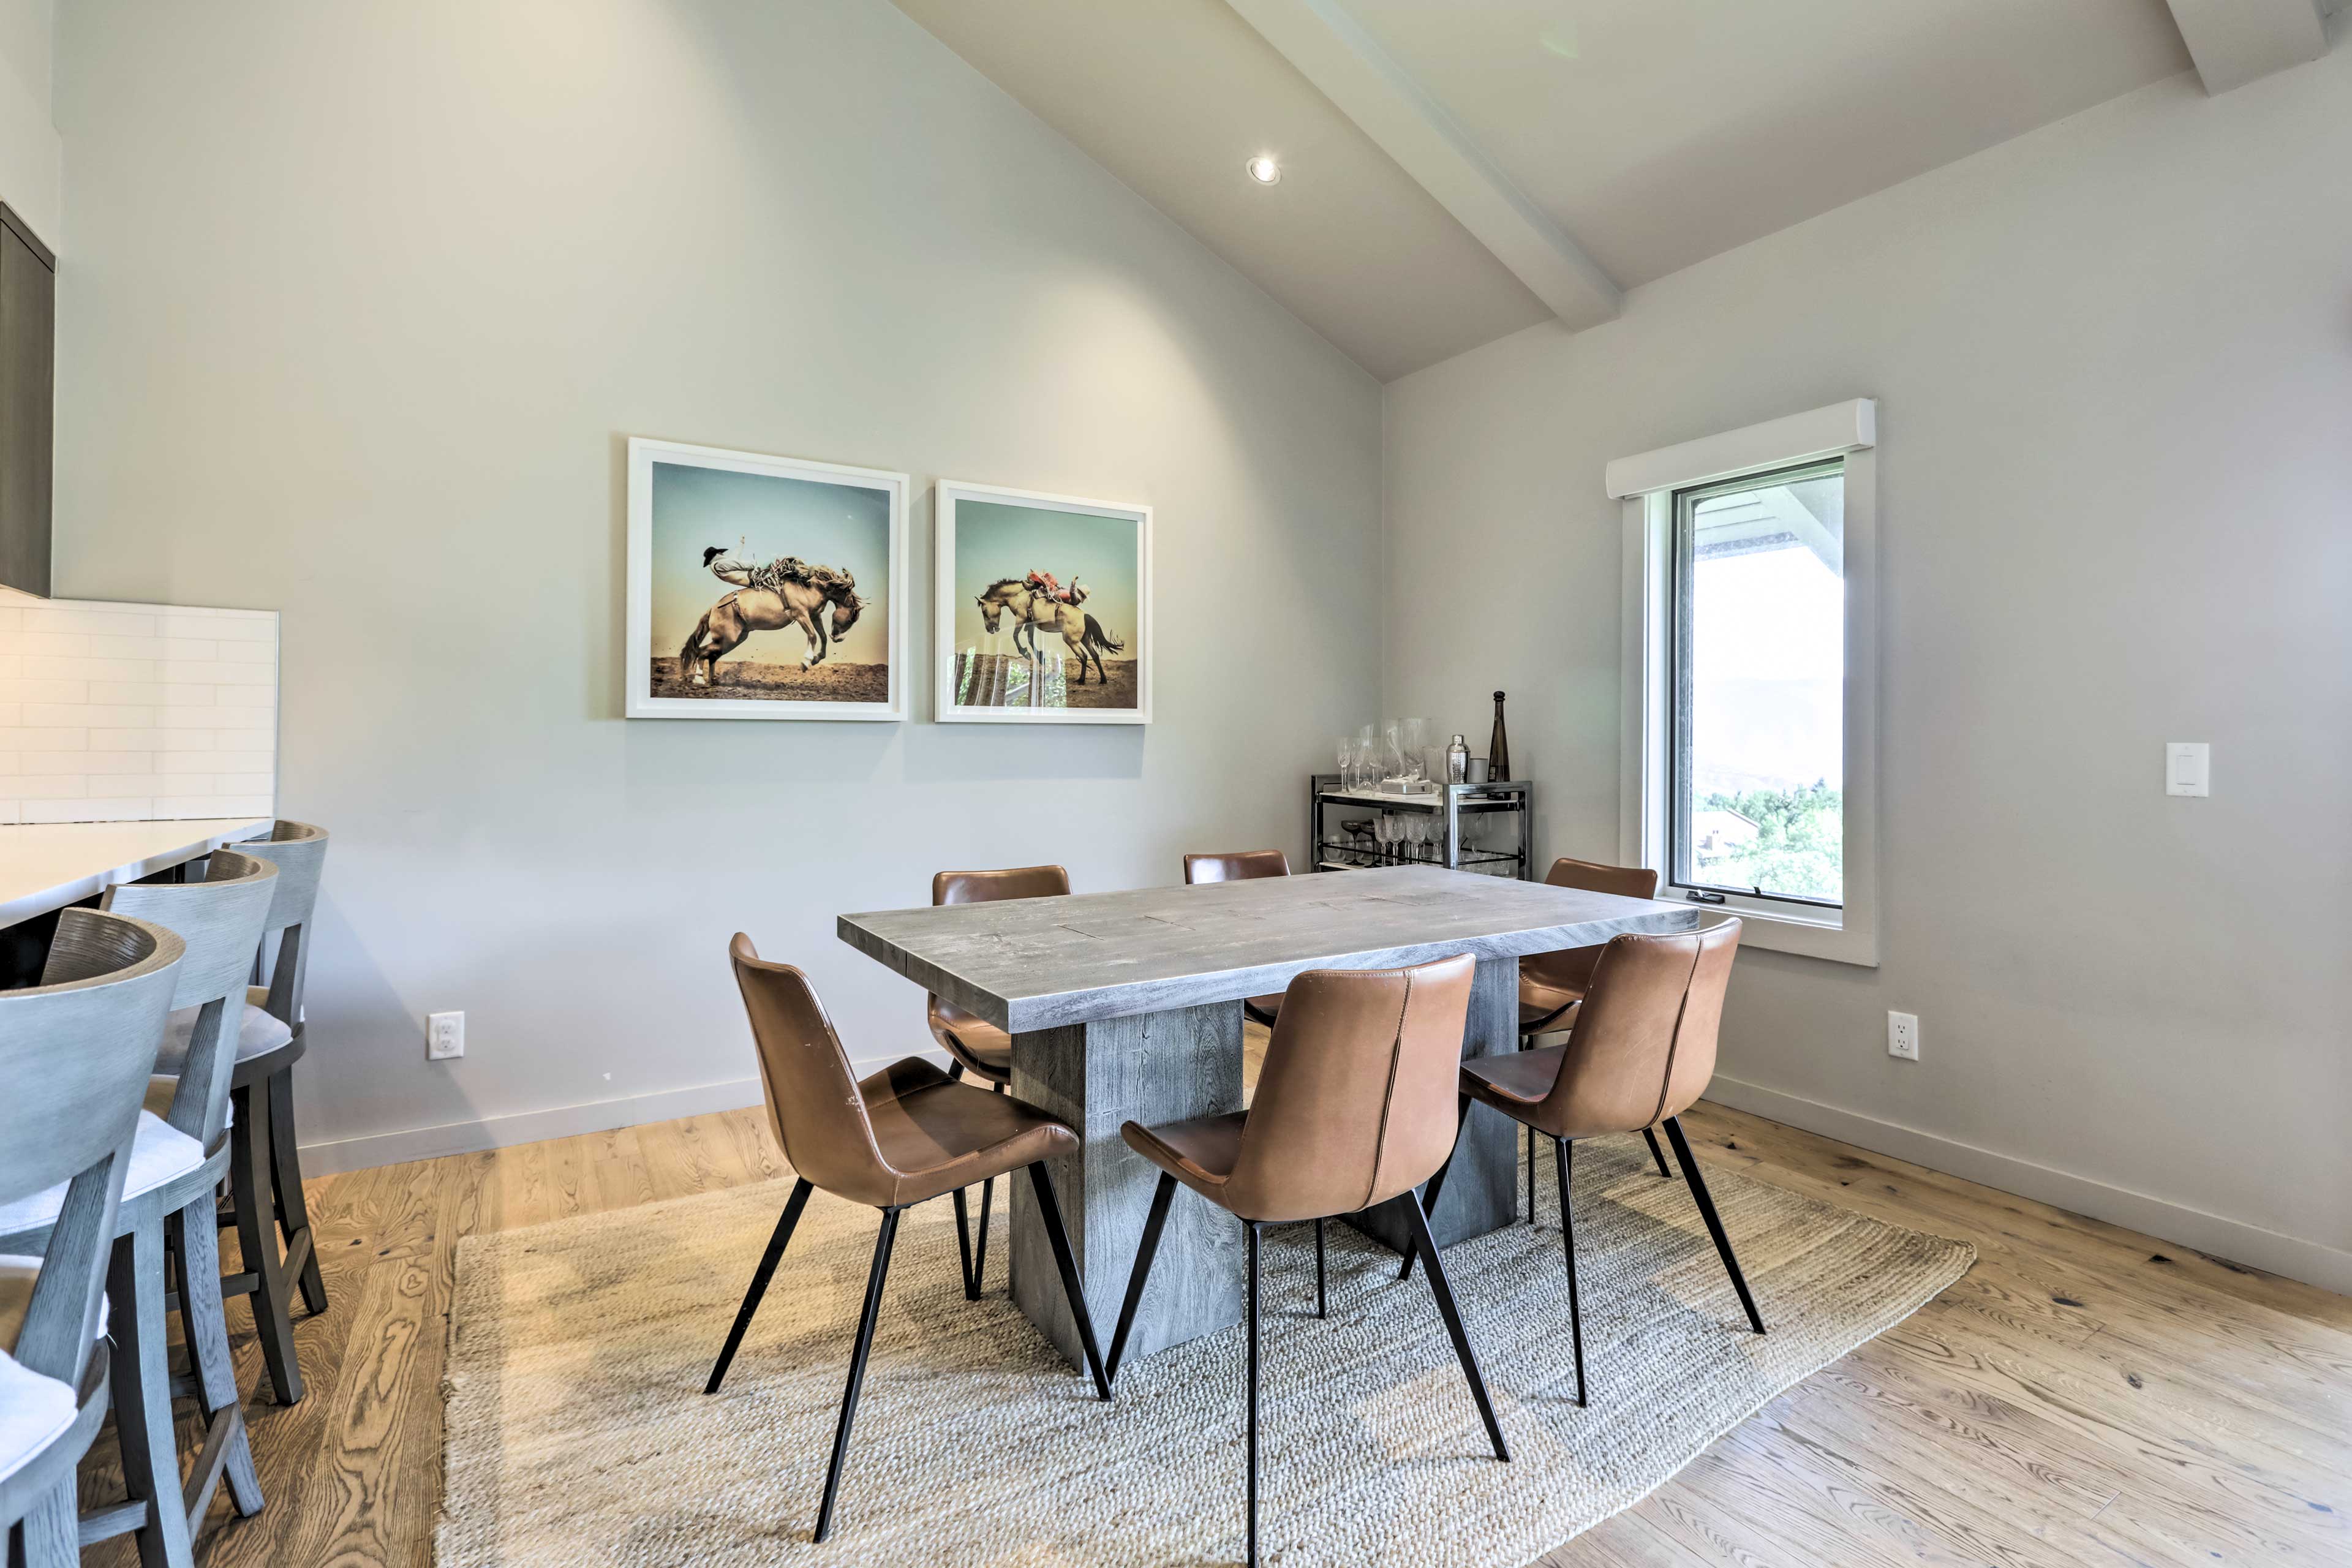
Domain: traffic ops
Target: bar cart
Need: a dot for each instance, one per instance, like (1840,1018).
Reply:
(1437,825)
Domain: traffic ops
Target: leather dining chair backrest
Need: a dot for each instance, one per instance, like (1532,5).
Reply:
(1591,877)
(299,851)
(219,919)
(1358,1098)
(1643,1048)
(987,886)
(813,1101)
(75,1053)
(1235,866)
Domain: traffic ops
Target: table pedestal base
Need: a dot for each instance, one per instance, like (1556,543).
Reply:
(1151,1067)
(1156,1067)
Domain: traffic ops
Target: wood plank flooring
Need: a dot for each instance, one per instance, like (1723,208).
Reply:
(2085,1395)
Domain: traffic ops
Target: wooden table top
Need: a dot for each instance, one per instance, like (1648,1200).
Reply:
(1040,964)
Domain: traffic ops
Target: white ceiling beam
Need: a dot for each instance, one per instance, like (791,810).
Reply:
(2234,42)
(1348,67)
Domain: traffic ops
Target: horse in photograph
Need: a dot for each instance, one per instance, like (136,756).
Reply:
(1081,633)
(738,614)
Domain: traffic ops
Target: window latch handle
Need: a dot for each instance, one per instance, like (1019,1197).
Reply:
(1695,896)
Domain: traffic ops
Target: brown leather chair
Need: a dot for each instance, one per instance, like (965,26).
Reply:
(1355,1108)
(974,1045)
(1643,1051)
(1242,866)
(1551,984)
(903,1136)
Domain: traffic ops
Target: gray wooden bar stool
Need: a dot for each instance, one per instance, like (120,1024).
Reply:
(265,1163)
(74,1052)
(178,1154)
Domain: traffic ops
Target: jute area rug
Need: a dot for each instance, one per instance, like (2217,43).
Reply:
(577,1432)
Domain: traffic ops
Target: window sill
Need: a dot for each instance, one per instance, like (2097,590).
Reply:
(1780,930)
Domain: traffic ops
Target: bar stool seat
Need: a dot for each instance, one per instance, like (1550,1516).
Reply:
(162,1157)
(257,1033)
(937,1135)
(1522,1077)
(35,1411)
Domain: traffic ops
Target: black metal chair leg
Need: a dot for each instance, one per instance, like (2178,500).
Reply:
(1443,1290)
(963,1246)
(1526,1041)
(1141,1273)
(1319,1298)
(1251,1229)
(783,1233)
(882,1245)
(1714,1225)
(1436,1183)
(980,1242)
(1657,1154)
(1560,1148)
(1049,1209)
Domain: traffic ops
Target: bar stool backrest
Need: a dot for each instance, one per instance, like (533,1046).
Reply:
(1358,1100)
(1643,1048)
(219,921)
(1235,866)
(75,1053)
(299,851)
(813,1101)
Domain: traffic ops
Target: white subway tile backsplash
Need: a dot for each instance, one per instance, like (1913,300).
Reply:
(119,712)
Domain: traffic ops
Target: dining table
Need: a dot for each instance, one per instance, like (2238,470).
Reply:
(1127,1006)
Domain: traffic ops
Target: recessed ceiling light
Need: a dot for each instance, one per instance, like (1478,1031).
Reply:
(1264,169)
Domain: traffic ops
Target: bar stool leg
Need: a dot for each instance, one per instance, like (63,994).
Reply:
(50,1537)
(286,1177)
(1567,1240)
(256,1242)
(194,1235)
(142,1396)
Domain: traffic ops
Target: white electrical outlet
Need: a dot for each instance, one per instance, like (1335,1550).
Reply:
(444,1035)
(1903,1036)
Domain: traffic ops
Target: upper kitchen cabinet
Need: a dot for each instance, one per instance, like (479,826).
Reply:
(29,293)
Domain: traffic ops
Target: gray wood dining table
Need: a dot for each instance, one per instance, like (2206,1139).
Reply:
(1127,1006)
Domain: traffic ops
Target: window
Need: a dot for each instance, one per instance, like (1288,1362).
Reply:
(1758,753)
(1749,776)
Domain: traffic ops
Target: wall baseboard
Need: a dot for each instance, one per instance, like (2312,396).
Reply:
(2311,1262)
(362,1154)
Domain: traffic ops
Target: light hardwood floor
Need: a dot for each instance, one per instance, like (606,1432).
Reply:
(2084,1396)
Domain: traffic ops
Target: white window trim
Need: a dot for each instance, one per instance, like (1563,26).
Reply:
(1646,484)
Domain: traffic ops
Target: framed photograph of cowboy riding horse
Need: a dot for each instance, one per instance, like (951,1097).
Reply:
(765,587)
(1043,608)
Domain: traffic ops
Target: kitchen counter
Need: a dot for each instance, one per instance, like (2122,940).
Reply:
(48,866)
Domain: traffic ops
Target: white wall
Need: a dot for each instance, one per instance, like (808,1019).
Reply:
(2114,360)
(31,157)
(367,298)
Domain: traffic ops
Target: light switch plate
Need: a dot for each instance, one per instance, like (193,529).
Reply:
(2187,767)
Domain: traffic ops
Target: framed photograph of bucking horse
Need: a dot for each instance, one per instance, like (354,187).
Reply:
(765,587)
(1043,608)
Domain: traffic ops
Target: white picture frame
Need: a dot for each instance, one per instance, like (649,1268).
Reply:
(951,658)
(641,699)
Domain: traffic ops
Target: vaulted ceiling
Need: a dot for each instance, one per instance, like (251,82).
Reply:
(1453,172)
